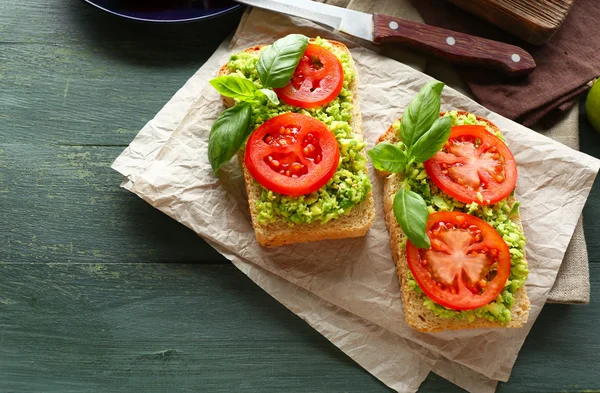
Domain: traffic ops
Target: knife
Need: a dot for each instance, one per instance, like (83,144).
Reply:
(380,29)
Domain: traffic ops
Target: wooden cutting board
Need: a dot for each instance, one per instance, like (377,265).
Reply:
(535,21)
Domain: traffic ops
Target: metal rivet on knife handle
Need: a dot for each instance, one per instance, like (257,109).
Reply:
(453,46)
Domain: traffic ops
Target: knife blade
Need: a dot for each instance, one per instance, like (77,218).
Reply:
(455,47)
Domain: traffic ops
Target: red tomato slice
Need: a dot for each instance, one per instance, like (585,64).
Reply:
(292,154)
(318,79)
(467,265)
(474,161)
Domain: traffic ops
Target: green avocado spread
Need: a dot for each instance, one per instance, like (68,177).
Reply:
(498,215)
(350,184)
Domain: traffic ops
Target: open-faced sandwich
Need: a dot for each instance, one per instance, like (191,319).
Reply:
(454,224)
(295,123)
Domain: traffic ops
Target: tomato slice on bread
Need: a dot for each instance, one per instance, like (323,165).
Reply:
(292,154)
(467,264)
(318,79)
(474,166)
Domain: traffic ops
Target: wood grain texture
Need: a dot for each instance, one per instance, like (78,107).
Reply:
(453,46)
(65,205)
(158,328)
(535,21)
(99,292)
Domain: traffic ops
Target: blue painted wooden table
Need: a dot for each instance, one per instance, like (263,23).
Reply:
(99,292)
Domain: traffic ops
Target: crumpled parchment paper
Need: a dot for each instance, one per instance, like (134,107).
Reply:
(347,289)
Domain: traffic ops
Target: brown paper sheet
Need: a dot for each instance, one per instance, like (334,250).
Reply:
(356,278)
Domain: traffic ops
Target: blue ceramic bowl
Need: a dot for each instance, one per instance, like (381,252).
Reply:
(166,11)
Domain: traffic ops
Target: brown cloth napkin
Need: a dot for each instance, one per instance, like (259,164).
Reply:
(565,64)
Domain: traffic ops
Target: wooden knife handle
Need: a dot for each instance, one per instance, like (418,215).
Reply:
(452,46)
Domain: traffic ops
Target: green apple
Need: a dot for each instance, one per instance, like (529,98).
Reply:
(592,105)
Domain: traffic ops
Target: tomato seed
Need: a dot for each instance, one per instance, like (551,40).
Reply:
(309,149)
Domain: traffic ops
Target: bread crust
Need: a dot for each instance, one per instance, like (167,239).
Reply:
(415,313)
(354,224)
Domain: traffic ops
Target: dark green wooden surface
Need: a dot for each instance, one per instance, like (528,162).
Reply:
(99,292)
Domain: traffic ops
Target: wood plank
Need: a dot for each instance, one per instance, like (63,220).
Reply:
(158,328)
(83,77)
(549,13)
(65,205)
(535,21)
(82,97)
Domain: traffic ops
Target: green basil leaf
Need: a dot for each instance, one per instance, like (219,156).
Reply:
(278,62)
(432,141)
(234,86)
(411,213)
(228,134)
(422,111)
(388,157)
(271,95)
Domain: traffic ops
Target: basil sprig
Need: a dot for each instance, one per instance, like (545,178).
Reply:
(422,111)
(235,86)
(242,89)
(275,67)
(432,140)
(271,95)
(278,62)
(228,134)
(388,157)
(411,213)
(423,133)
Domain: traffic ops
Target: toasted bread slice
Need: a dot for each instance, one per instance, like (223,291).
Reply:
(354,224)
(415,313)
